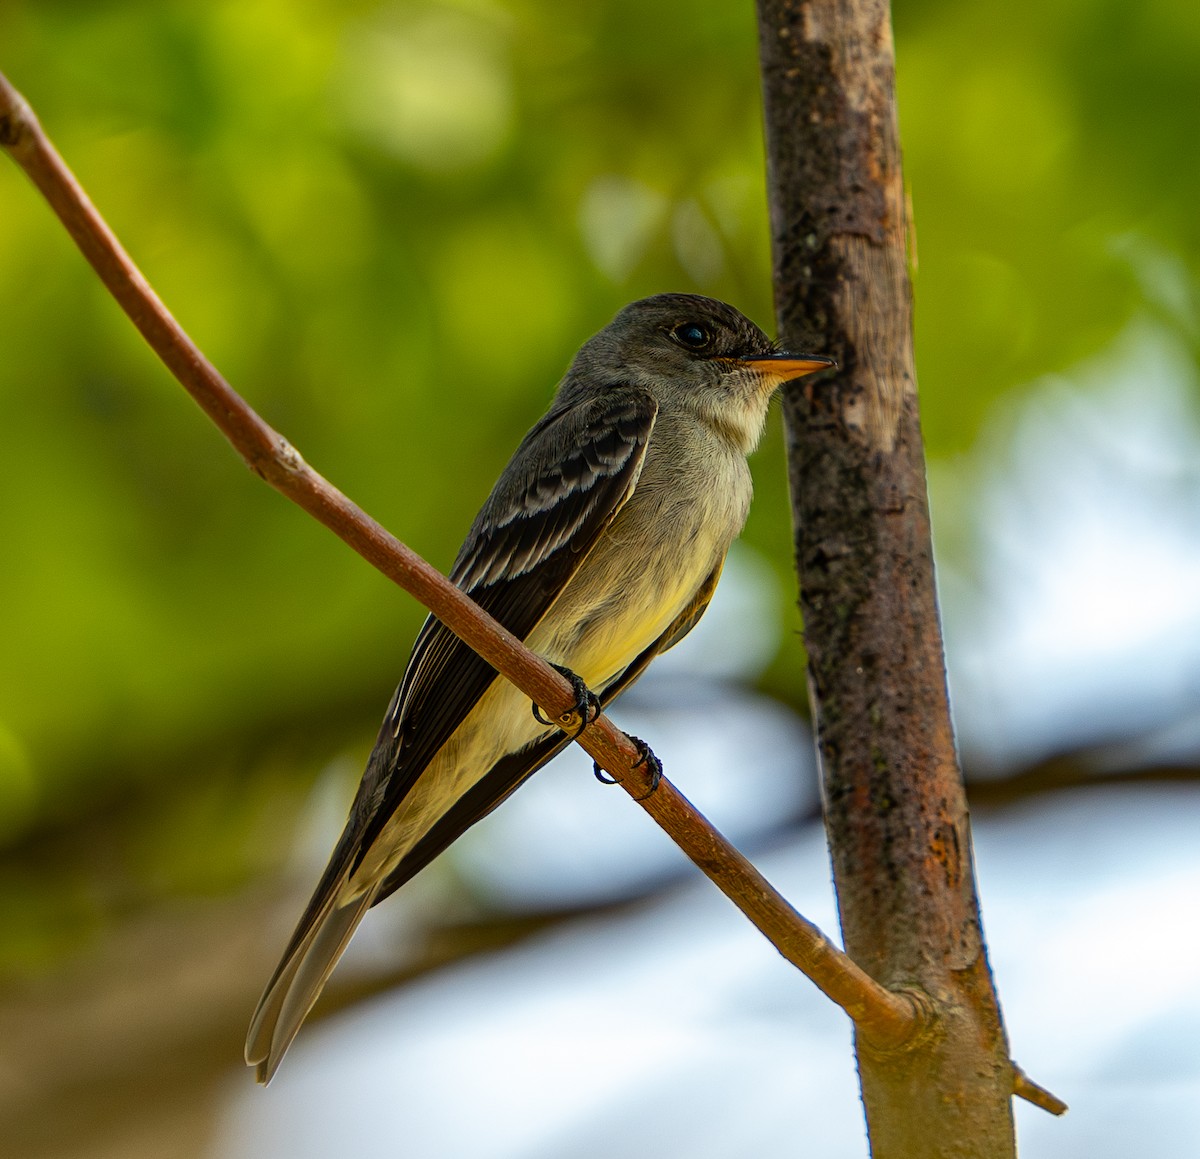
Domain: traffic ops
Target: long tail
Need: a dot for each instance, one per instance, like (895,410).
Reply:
(338,904)
(319,941)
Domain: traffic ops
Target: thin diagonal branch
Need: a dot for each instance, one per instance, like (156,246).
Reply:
(885,1018)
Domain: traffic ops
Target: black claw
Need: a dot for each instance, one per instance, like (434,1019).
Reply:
(652,763)
(647,758)
(586,707)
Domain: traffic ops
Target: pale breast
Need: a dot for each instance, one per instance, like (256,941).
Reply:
(689,505)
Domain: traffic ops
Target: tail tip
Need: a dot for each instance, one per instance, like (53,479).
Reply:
(265,1065)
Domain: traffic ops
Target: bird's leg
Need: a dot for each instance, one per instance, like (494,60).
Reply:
(586,707)
(647,758)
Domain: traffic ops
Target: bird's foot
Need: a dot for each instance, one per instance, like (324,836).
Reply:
(585,709)
(647,758)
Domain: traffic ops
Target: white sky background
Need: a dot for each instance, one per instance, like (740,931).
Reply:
(1080,624)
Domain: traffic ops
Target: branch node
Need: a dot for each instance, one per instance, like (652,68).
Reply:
(288,457)
(923,1026)
(18,124)
(1025,1088)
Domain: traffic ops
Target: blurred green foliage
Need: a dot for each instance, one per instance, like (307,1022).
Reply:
(390,225)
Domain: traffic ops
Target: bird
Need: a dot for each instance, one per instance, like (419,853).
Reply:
(600,546)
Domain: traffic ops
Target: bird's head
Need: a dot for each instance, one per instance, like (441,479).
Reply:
(695,354)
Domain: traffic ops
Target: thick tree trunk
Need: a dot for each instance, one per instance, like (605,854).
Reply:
(895,809)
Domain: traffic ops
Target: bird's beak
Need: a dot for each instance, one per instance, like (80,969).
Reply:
(783,367)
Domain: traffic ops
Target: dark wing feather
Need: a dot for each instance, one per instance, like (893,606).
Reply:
(566,482)
(508,773)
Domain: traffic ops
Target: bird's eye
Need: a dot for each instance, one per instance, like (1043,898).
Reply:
(692,335)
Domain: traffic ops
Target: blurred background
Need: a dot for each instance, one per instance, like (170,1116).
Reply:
(391,225)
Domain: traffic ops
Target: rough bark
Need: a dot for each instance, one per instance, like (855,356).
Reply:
(895,809)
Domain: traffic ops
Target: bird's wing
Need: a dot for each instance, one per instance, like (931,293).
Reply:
(569,477)
(508,773)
